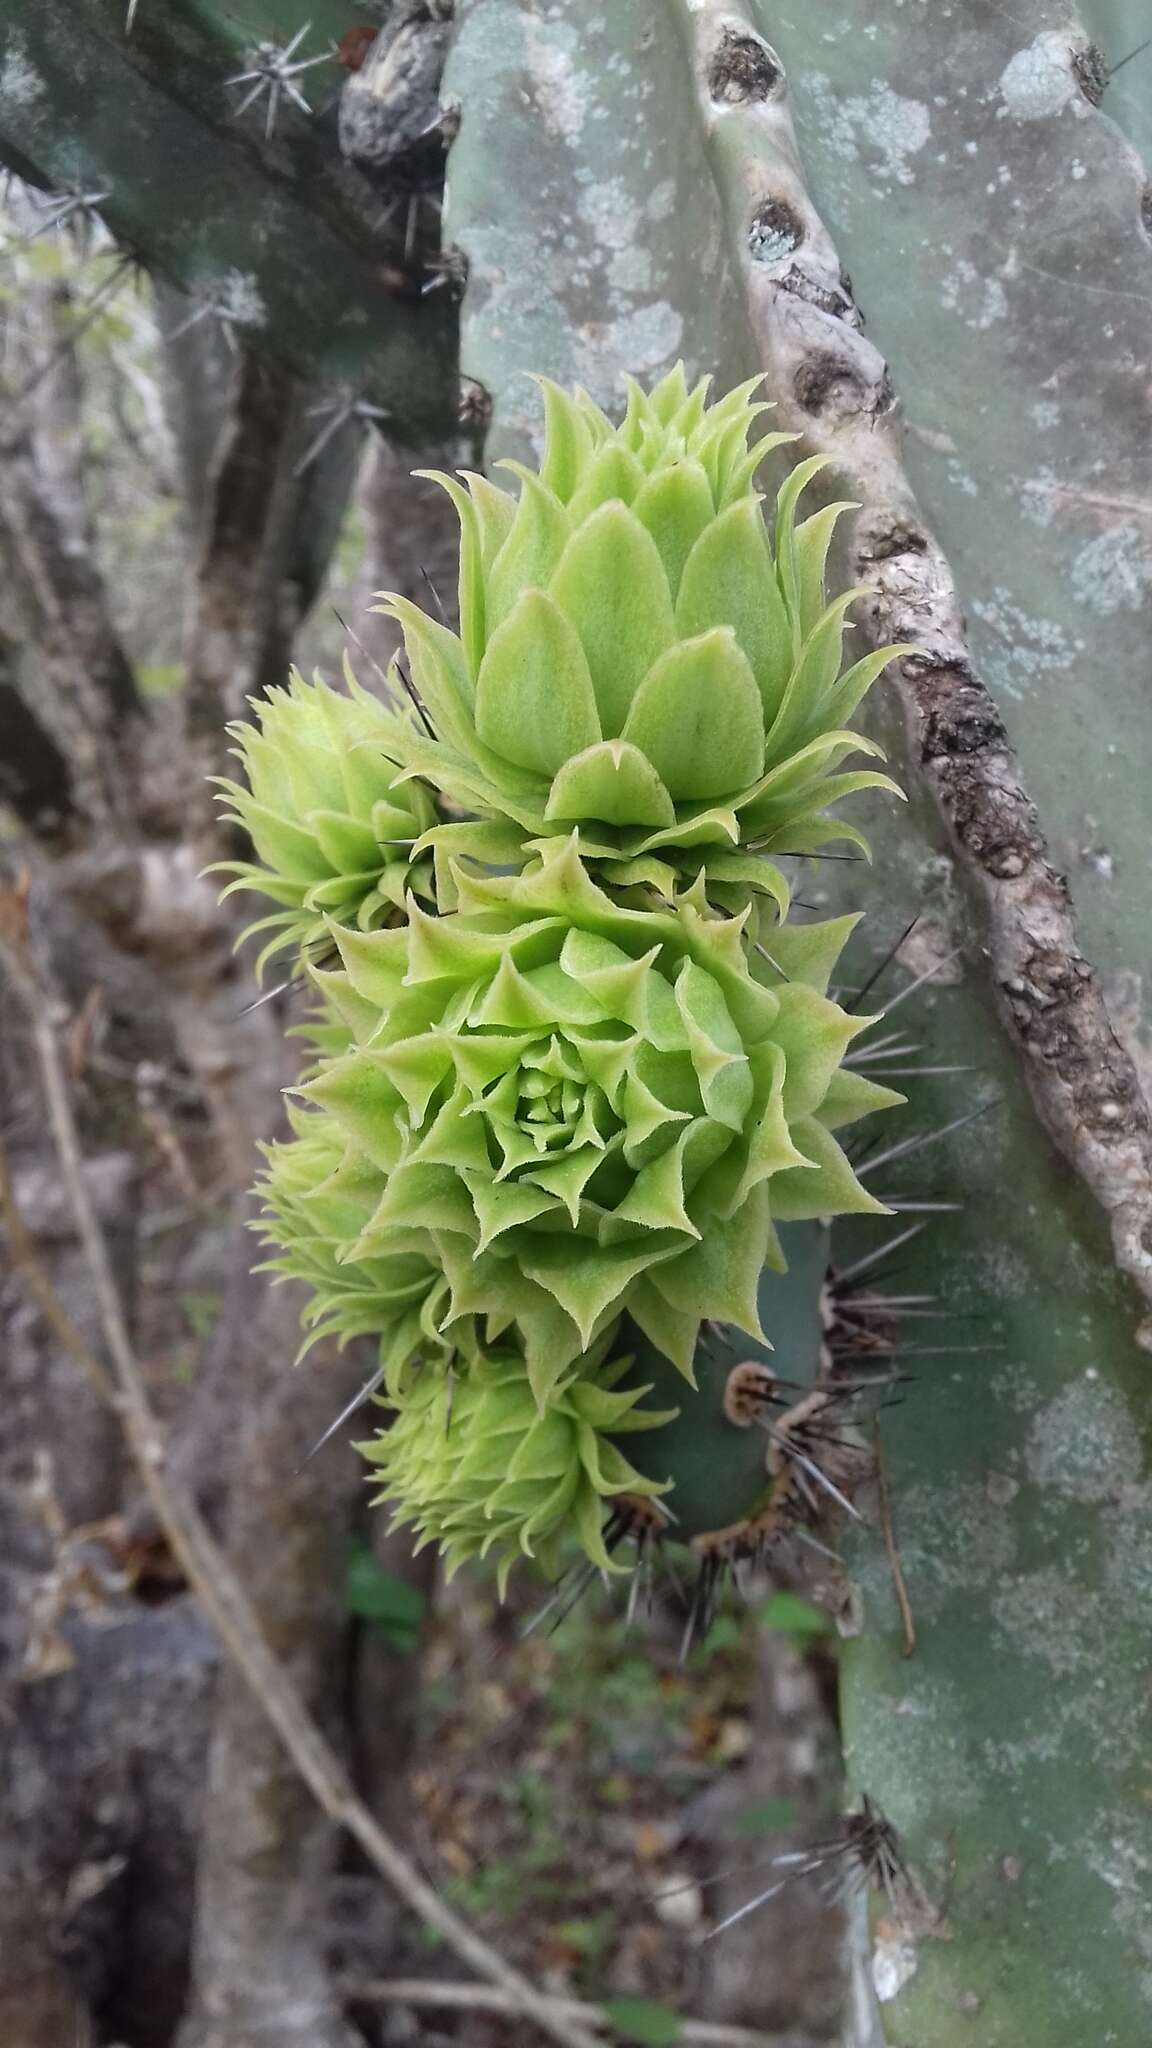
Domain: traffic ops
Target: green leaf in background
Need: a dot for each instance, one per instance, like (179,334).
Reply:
(792,1616)
(762,1819)
(638,2019)
(387,1602)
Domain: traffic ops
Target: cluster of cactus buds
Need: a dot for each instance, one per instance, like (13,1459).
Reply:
(562,1104)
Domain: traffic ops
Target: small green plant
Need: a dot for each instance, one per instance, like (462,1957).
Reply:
(387,1603)
(575,1063)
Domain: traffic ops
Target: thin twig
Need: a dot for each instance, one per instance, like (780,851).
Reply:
(482,1998)
(211,1577)
(899,1587)
(23,1255)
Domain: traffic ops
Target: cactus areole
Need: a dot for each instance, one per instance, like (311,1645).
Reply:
(575,1060)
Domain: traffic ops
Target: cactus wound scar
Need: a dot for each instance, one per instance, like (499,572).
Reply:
(575,1061)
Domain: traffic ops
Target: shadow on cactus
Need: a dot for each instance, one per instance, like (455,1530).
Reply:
(561,1108)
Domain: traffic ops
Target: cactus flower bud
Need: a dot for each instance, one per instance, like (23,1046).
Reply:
(587,1107)
(636,658)
(332,822)
(473,1465)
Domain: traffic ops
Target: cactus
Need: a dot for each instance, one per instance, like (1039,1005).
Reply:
(610,617)
(167,122)
(1015,1467)
(567,1097)
(332,821)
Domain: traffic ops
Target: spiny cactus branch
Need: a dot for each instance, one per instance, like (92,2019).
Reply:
(833,386)
(172,115)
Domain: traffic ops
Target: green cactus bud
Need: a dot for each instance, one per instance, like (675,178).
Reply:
(636,659)
(473,1465)
(586,1107)
(332,820)
(317,1197)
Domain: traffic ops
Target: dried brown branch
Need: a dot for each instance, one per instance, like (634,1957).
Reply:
(441,1997)
(832,386)
(219,1591)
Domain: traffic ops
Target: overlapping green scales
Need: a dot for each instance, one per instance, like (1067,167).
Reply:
(636,658)
(333,821)
(584,1107)
(316,1198)
(472,1464)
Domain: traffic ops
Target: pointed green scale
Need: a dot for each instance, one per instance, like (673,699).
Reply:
(728,581)
(535,704)
(611,585)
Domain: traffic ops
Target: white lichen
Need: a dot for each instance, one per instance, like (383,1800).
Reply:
(881,128)
(1038,81)
(20,82)
(1114,572)
(1083,1445)
(894,1960)
(562,89)
(980,301)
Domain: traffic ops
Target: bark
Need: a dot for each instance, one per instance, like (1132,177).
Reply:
(81,684)
(779,1967)
(35,778)
(260,1973)
(384,1711)
(269,523)
(100,1807)
(48,1410)
(410,546)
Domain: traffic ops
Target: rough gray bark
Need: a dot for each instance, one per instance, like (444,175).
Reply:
(779,1967)
(269,524)
(82,692)
(35,778)
(410,546)
(266,1851)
